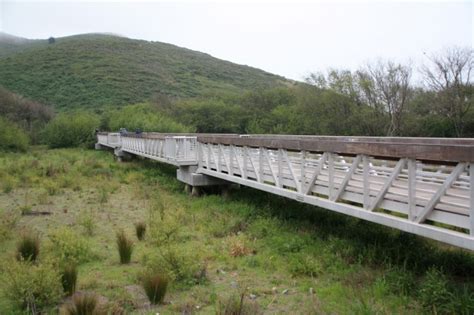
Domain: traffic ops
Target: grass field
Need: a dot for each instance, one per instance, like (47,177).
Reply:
(281,256)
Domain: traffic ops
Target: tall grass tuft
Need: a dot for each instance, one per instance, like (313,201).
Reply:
(155,286)
(69,278)
(28,248)
(125,247)
(140,229)
(237,305)
(82,304)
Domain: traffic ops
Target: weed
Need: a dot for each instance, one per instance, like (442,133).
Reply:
(51,187)
(125,247)
(31,287)
(7,184)
(179,263)
(434,291)
(140,229)
(28,247)
(25,210)
(155,285)
(237,305)
(43,198)
(69,278)
(82,304)
(103,195)
(304,264)
(69,247)
(238,247)
(400,281)
(88,222)
(8,221)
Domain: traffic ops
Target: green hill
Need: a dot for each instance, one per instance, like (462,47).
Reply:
(95,70)
(10,44)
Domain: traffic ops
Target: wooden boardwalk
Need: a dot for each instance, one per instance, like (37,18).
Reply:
(418,185)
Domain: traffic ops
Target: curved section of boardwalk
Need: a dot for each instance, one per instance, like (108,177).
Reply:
(418,185)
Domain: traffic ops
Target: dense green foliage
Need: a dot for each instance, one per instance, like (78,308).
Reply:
(31,116)
(12,138)
(90,71)
(140,116)
(69,130)
(29,287)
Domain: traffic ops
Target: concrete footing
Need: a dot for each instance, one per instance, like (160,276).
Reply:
(98,146)
(188,175)
(122,155)
(194,182)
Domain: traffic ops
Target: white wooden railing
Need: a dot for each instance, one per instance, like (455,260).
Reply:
(176,150)
(418,185)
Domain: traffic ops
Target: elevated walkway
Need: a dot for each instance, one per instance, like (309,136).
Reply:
(418,185)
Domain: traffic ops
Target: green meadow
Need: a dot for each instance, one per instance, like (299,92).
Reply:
(241,252)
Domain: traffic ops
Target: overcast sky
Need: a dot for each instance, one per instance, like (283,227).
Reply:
(287,38)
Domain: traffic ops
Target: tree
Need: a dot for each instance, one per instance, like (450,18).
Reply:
(51,40)
(386,87)
(449,74)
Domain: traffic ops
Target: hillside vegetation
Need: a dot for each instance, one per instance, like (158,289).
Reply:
(90,71)
(10,44)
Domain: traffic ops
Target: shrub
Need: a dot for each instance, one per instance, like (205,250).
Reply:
(400,281)
(51,187)
(69,278)
(304,264)
(28,247)
(103,195)
(70,130)
(237,305)
(434,291)
(69,247)
(8,184)
(31,287)
(179,263)
(8,221)
(87,221)
(140,229)
(12,137)
(155,285)
(144,117)
(125,247)
(82,304)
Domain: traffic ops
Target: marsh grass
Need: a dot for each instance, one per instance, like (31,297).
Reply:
(125,247)
(28,247)
(82,304)
(69,278)
(140,229)
(155,286)
(237,305)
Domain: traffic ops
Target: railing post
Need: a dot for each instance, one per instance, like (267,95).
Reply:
(303,171)
(471,188)
(219,158)
(331,175)
(280,168)
(244,161)
(366,184)
(411,189)
(260,164)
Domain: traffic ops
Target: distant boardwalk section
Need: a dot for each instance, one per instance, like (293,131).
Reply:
(418,185)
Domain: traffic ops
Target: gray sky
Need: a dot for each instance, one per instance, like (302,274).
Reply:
(283,37)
